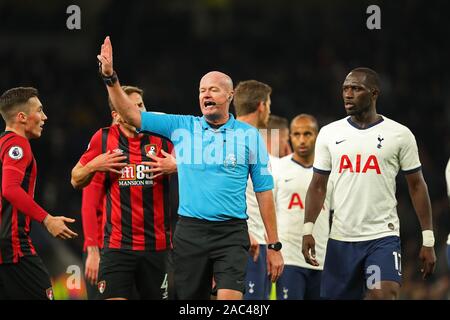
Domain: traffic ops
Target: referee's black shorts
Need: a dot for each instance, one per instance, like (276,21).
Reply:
(205,248)
(26,280)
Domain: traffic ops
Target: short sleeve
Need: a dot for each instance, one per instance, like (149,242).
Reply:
(260,167)
(322,156)
(409,154)
(94,148)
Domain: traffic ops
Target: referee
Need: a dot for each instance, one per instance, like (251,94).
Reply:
(215,155)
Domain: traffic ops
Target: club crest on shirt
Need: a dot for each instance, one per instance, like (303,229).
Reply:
(15,153)
(49,293)
(101,286)
(380,139)
(151,149)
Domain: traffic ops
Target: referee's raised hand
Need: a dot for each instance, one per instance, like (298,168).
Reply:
(106,58)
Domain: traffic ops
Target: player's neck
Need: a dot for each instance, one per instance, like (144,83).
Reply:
(305,161)
(17,130)
(251,119)
(365,119)
(128,132)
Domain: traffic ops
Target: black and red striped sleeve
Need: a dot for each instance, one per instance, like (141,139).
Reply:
(93,195)
(16,157)
(94,148)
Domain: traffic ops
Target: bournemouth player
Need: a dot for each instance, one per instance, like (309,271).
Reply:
(362,154)
(447,178)
(292,175)
(137,219)
(22,273)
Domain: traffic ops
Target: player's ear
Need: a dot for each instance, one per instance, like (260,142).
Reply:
(21,117)
(375,93)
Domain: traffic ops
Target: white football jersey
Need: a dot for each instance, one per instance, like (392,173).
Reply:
(363,164)
(254,222)
(447,178)
(291,184)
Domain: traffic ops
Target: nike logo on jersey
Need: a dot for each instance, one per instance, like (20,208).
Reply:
(287,180)
(337,142)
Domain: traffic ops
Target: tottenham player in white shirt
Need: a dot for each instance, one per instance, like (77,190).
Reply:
(362,154)
(447,178)
(292,175)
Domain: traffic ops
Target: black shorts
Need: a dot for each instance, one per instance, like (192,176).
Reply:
(203,249)
(26,280)
(123,270)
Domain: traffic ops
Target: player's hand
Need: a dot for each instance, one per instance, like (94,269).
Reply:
(254,247)
(161,165)
(106,57)
(428,258)
(309,249)
(108,162)
(92,265)
(57,227)
(275,264)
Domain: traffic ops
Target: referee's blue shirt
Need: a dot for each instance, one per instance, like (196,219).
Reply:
(213,164)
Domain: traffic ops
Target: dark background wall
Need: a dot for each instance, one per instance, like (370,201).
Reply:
(303,49)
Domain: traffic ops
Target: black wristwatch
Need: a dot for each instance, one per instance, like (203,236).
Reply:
(110,80)
(275,246)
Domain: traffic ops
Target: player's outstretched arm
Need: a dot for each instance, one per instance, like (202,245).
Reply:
(418,191)
(275,263)
(105,162)
(57,227)
(315,198)
(120,100)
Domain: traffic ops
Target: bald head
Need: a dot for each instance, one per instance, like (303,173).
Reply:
(303,119)
(219,77)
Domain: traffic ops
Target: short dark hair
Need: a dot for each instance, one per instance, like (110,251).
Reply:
(372,77)
(247,96)
(14,100)
(277,122)
(128,90)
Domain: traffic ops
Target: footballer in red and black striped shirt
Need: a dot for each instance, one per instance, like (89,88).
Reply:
(137,222)
(92,204)
(22,273)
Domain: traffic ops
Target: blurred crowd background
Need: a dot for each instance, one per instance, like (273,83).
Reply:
(303,49)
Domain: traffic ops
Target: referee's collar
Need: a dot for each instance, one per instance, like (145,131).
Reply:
(228,125)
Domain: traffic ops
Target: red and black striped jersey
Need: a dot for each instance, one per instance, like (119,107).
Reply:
(136,207)
(92,204)
(18,178)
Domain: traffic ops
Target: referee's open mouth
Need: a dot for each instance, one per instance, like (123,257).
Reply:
(209,104)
